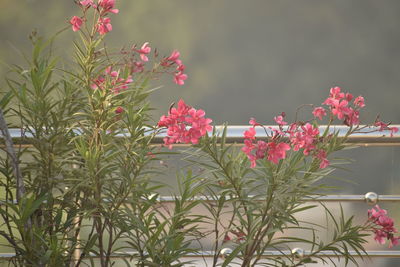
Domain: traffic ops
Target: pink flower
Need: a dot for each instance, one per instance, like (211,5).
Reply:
(394,241)
(319,112)
(247,149)
(304,138)
(376,212)
(226,238)
(138,66)
(279,120)
(143,51)
(335,93)
(310,131)
(331,101)
(352,118)
(110,72)
(253,122)
(380,236)
(103,26)
(359,101)
(382,226)
(108,6)
(119,110)
(340,109)
(174,57)
(184,125)
(98,83)
(181,68)
(348,97)
(334,96)
(87,3)
(393,130)
(385,126)
(321,155)
(250,134)
(116,84)
(277,152)
(76,23)
(179,78)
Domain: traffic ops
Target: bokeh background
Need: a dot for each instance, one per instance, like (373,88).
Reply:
(253,58)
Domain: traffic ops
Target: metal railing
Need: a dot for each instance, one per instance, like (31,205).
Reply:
(365,137)
(267,254)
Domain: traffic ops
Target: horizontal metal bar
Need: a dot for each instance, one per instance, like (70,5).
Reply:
(366,136)
(327,198)
(267,254)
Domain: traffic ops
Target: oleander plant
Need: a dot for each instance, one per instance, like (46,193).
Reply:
(78,184)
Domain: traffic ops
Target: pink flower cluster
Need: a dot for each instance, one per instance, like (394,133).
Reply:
(385,126)
(103,7)
(303,135)
(340,106)
(300,137)
(179,75)
(184,124)
(111,79)
(167,62)
(383,226)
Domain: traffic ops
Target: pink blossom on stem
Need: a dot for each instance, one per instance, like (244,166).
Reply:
(138,66)
(279,120)
(385,126)
(226,238)
(98,83)
(352,118)
(324,162)
(253,122)
(348,97)
(250,134)
(334,96)
(181,68)
(87,3)
(110,72)
(359,101)
(319,112)
(174,57)
(116,84)
(383,226)
(179,78)
(119,110)
(104,26)
(143,51)
(336,93)
(108,6)
(76,23)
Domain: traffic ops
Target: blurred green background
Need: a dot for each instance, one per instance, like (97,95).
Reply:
(244,59)
(253,58)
